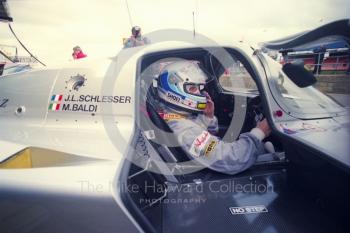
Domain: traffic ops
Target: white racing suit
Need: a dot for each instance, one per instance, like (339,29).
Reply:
(195,135)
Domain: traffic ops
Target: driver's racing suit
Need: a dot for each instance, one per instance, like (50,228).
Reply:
(195,136)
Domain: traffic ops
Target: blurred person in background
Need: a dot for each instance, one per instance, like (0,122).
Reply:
(78,53)
(136,38)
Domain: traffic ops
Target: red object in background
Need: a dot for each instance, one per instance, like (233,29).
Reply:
(227,72)
(80,55)
(328,64)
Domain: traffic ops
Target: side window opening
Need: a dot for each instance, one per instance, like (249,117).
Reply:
(236,78)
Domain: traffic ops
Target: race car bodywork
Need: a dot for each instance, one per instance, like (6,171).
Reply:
(81,149)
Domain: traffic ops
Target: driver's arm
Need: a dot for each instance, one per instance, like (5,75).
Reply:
(216,154)
(211,124)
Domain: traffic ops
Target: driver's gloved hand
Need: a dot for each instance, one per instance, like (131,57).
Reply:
(269,147)
(258,117)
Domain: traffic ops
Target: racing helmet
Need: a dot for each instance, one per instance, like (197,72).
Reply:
(135,31)
(181,85)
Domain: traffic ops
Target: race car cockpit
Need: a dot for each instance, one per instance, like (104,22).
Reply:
(230,85)
(163,164)
(177,194)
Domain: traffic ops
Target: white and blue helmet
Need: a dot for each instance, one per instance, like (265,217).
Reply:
(181,84)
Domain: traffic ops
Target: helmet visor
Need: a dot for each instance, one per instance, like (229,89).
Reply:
(194,89)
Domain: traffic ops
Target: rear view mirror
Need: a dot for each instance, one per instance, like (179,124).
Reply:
(299,75)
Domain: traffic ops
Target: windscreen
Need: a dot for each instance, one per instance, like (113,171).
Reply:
(307,101)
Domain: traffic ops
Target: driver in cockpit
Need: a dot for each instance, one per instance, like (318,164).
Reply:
(189,112)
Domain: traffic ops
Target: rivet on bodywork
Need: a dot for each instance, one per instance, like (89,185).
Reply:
(20,110)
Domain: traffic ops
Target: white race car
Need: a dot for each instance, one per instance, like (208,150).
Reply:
(83,149)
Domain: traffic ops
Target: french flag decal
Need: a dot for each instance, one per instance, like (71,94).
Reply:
(55,102)
(56,98)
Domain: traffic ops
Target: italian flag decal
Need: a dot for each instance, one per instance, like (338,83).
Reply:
(55,102)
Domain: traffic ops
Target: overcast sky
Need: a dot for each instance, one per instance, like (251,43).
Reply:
(51,28)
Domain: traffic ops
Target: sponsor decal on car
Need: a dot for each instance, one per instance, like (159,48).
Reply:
(302,128)
(76,82)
